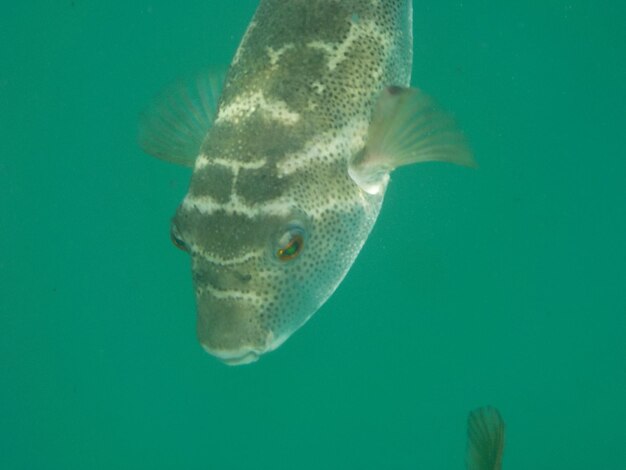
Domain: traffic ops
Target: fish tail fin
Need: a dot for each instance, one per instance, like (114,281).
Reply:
(485,439)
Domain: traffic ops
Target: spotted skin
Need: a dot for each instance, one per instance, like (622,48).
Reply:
(295,109)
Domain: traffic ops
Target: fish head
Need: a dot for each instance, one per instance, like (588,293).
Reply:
(258,277)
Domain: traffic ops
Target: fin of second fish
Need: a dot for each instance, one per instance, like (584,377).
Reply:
(485,439)
(407,127)
(175,124)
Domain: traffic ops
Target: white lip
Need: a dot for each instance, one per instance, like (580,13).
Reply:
(235,358)
(245,354)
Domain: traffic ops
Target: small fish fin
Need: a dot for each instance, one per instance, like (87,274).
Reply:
(485,439)
(407,127)
(175,124)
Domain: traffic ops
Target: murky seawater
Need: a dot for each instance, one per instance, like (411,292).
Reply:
(503,285)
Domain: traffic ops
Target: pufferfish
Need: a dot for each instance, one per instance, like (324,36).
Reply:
(291,155)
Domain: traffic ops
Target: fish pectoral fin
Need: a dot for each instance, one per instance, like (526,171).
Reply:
(485,439)
(175,124)
(407,127)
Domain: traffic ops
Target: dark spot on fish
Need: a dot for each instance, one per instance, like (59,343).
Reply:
(243,277)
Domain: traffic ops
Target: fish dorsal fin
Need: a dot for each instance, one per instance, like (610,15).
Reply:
(485,439)
(175,124)
(407,127)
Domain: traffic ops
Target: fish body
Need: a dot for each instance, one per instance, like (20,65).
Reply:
(290,176)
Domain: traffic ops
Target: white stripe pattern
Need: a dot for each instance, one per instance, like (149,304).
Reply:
(212,258)
(324,145)
(234,165)
(244,105)
(336,52)
(207,206)
(228,294)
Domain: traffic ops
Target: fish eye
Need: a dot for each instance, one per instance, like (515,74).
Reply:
(177,240)
(290,245)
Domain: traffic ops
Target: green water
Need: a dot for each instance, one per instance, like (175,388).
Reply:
(503,285)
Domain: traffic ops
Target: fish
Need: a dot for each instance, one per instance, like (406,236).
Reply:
(485,439)
(291,150)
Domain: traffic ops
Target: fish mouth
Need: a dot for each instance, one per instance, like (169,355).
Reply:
(231,327)
(245,354)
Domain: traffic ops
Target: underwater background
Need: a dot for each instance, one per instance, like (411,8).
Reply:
(501,285)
